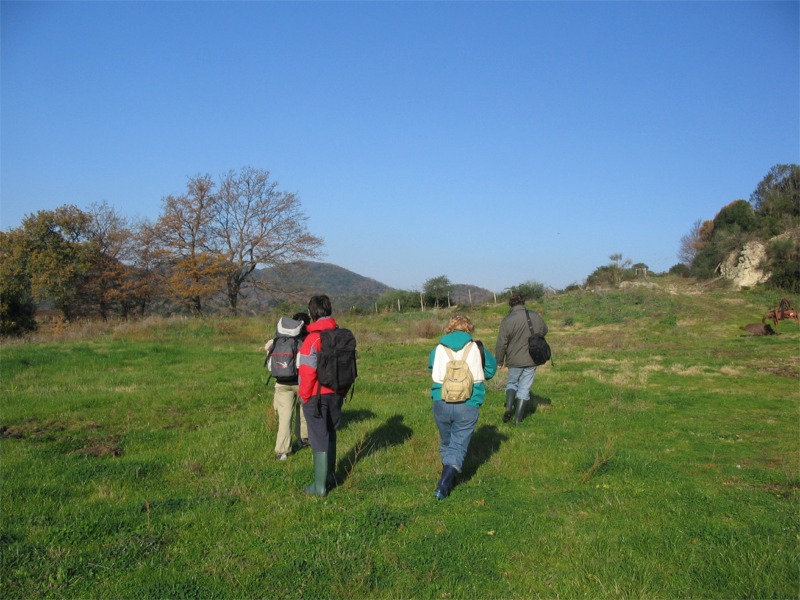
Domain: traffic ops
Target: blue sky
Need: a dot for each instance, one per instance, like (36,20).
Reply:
(491,142)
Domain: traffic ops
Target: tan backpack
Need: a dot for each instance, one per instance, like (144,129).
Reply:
(458,380)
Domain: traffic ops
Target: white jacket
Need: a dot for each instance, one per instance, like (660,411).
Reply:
(441,359)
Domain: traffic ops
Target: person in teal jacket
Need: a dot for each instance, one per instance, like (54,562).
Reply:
(456,421)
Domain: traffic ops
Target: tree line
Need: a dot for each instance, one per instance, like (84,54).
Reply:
(439,292)
(206,243)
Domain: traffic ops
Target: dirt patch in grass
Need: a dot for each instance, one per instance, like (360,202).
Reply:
(108,446)
(787,367)
(783,491)
(31,429)
(58,431)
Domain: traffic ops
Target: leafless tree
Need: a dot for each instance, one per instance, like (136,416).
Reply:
(256,224)
(691,243)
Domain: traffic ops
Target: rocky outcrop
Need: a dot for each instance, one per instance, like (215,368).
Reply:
(744,267)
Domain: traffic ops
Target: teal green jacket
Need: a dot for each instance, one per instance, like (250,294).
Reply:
(437,363)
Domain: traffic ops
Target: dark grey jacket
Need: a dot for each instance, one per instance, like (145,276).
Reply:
(512,339)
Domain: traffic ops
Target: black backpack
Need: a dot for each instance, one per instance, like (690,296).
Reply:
(336,361)
(282,356)
(538,347)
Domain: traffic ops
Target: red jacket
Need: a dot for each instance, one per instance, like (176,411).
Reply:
(307,359)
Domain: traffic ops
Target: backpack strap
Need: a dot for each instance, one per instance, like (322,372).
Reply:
(318,401)
(464,351)
(528,316)
(318,397)
(479,344)
(271,348)
(266,360)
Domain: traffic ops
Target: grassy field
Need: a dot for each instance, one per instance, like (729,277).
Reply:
(661,462)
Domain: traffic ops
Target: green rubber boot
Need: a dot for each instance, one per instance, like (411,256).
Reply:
(318,488)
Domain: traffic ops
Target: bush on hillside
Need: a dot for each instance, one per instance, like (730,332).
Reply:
(783,257)
(531,290)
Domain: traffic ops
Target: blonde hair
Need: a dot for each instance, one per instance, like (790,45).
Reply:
(459,323)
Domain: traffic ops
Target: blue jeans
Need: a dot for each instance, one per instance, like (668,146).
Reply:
(456,423)
(520,379)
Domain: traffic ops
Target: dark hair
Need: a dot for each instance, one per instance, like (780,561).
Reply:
(516,299)
(319,307)
(301,316)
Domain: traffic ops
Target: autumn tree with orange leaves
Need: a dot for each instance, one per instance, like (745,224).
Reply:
(206,244)
(193,267)
(56,256)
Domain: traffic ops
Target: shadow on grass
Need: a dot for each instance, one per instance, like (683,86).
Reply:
(354,416)
(391,433)
(484,443)
(348,417)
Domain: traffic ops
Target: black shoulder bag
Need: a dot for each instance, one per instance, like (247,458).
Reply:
(538,347)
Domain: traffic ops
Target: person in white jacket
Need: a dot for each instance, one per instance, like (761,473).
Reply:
(456,421)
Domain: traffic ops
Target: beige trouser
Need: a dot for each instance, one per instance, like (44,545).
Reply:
(286,403)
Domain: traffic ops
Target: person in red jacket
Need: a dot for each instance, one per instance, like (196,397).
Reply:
(322,423)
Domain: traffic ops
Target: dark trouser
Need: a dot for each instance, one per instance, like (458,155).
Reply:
(322,429)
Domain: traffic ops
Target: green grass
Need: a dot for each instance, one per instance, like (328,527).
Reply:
(661,462)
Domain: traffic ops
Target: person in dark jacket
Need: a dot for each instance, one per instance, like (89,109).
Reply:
(512,352)
(322,423)
(456,421)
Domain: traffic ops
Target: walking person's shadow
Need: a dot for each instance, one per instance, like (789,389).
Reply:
(484,443)
(391,433)
(354,416)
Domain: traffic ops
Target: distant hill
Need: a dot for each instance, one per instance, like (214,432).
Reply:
(470,294)
(296,282)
